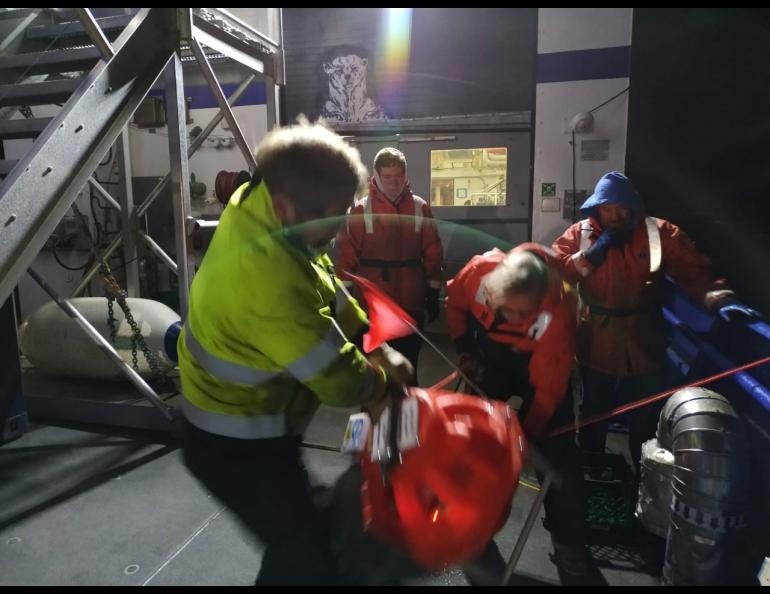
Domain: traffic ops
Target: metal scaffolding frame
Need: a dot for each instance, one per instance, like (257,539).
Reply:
(43,185)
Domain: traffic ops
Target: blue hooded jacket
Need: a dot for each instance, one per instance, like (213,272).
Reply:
(613,188)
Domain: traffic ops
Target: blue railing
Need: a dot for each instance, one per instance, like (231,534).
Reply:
(714,358)
(701,344)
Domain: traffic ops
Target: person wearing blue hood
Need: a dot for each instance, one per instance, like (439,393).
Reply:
(618,258)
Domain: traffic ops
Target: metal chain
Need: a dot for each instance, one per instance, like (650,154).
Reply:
(111,319)
(114,293)
(134,357)
(113,289)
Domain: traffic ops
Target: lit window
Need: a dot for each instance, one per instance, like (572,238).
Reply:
(468,177)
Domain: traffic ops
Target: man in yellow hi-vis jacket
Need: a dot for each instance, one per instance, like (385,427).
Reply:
(267,337)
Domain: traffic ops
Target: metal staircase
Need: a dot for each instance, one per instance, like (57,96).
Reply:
(98,68)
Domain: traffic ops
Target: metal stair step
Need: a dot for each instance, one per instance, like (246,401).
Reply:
(41,93)
(72,28)
(70,60)
(22,128)
(6,166)
(14,13)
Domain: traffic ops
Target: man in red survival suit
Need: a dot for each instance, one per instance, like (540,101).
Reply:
(513,324)
(390,238)
(619,257)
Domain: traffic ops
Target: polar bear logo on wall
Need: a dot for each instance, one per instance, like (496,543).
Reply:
(347,99)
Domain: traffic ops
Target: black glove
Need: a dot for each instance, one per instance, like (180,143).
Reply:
(433,303)
(597,253)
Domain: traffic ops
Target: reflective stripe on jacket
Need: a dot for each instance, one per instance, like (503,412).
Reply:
(395,244)
(266,334)
(549,333)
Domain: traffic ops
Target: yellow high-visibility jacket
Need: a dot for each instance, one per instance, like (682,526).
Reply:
(265,335)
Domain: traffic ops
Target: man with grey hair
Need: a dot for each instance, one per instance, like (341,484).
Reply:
(269,335)
(391,239)
(513,324)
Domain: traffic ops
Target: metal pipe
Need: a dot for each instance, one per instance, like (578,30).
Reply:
(12,36)
(180,178)
(95,33)
(127,219)
(198,140)
(235,128)
(95,267)
(534,512)
(710,487)
(154,193)
(158,251)
(195,224)
(99,188)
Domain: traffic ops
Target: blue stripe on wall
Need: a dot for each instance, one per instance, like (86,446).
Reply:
(203,98)
(593,64)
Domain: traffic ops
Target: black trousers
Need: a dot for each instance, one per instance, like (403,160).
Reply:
(264,482)
(602,392)
(506,375)
(409,346)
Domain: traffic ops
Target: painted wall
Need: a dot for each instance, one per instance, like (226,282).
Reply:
(582,60)
(149,147)
(420,62)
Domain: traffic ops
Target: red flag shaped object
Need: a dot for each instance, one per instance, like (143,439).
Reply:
(386,318)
